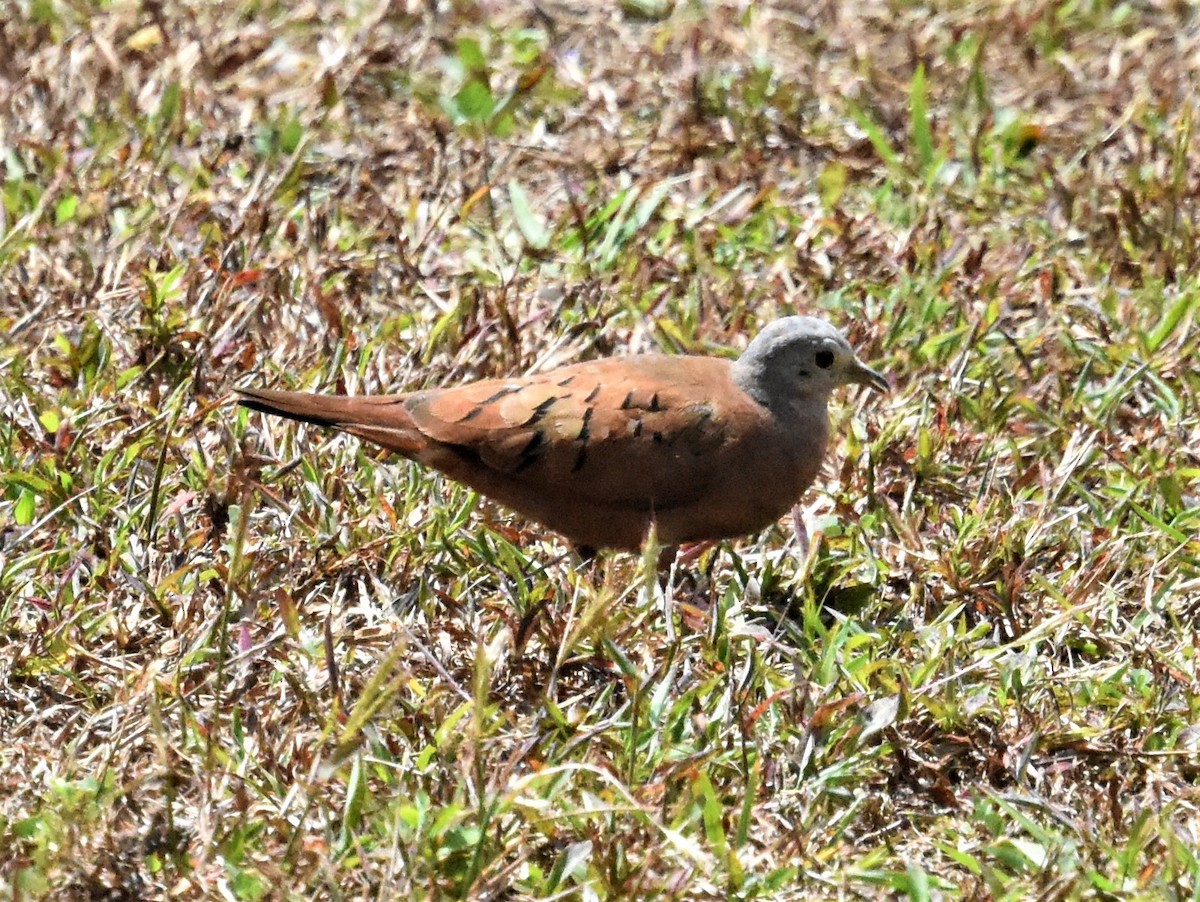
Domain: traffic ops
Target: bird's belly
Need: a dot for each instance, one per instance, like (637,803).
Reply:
(742,500)
(738,492)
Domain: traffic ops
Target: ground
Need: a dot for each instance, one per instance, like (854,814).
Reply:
(245,659)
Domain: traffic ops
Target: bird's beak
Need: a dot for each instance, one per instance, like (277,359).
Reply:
(864,375)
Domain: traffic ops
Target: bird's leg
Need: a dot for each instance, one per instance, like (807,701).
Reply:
(666,557)
(800,529)
(689,554)
(687,595)
(587,565)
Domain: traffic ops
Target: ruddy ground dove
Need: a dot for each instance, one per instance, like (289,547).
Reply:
(703,447)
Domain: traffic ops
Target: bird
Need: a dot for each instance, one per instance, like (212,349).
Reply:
(701,448)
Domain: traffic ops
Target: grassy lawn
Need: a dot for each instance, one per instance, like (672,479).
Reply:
(242,659)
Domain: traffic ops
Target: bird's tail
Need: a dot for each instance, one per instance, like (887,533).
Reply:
(383,419)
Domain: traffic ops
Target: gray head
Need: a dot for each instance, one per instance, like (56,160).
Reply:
(797,357)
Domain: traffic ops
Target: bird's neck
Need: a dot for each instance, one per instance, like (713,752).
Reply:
(803,408)
(751,379)
(806,417)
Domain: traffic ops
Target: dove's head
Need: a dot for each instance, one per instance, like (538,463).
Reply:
(800,357)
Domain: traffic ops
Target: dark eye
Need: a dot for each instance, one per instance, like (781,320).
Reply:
(824,359)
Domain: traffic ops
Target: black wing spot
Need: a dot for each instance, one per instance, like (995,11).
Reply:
(507,390)
(580,459)
(592,395)
(637,429)
(651,406)
(473,413)
(585,430)
(529,454)
(540,411)
(565,382)
(658,438)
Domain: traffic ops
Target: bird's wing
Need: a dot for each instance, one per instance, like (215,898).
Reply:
(636,432)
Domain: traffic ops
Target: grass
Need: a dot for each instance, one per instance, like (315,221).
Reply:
(243,659)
